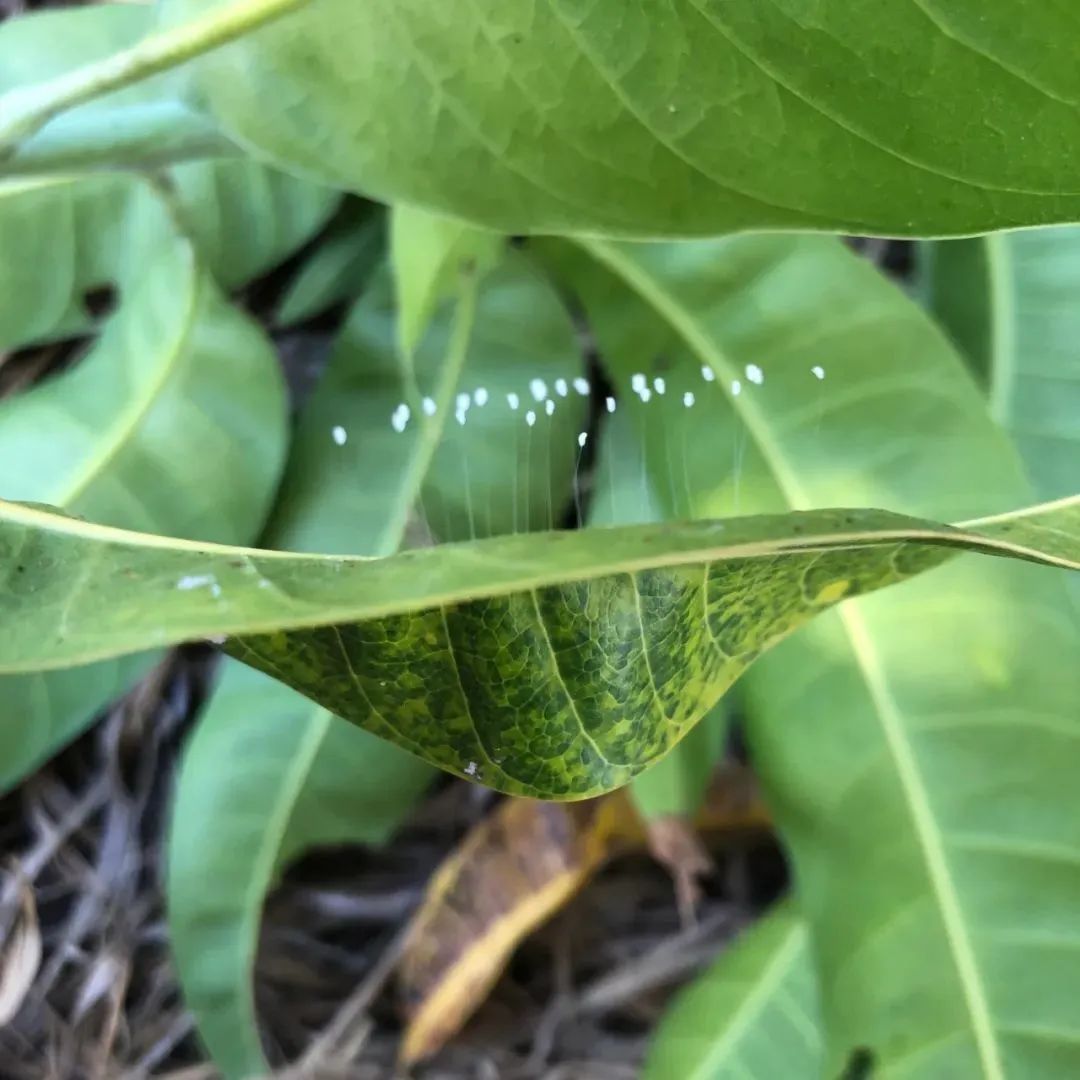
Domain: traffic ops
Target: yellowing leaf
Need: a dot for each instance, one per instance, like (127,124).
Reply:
(514,871)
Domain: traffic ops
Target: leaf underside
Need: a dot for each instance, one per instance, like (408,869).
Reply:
(559,670)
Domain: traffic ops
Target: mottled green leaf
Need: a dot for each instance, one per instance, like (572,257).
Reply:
(676,785)
(619,639)
(752,1016)
(918,747)
(173,422)
(691,117)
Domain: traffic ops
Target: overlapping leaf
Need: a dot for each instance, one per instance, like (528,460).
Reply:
(559,669)
(940,716)
(125,438)
(692,117)
(310,778)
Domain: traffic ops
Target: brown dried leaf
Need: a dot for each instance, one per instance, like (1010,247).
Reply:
(513,872)
(20,954)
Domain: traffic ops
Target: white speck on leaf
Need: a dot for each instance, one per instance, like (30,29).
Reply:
(340,435)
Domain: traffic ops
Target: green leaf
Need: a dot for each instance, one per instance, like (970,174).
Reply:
(919,716)
(752,1016)
(336,271)
(449,479)
(311,779)
(173,422)
(495,632)
(694,117)
(1012,302)
(307,779)
(676,785)
(430,254)
(146,125)
(244,217)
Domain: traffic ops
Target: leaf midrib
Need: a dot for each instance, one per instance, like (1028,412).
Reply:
(929,836)
(130,418)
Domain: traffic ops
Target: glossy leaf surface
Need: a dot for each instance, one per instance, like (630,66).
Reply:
(687,118)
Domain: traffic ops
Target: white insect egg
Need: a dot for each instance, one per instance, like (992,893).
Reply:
(755,374)
(582,439)
(688,399)
(645,395)
(549,407)
(818,371)
(736,388)
(195,581)
(530,418)
(463,402)
(660,385)
(513,401)
(707,373)
(582,386)
(538,389)
(481,397)
(339,435)
(460,416)
(398,422)
(638,383)
(562,387)
(609,404)
(428,405)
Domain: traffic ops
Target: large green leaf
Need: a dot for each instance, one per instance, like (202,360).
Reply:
(688,117)
(1012,302)
(307,779)
(918,747)
(173,422)
(619,639)
(752,1016)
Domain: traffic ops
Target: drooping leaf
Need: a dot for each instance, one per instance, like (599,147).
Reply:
(620,639)
(693,117)
(309,778)
(675,786)
(753,1015)
(1012,302)
(920,715)
(173,422)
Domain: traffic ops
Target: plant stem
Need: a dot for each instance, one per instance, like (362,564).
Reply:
(26,109)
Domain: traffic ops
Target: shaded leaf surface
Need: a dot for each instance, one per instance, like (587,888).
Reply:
(489,659)
(694,117)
